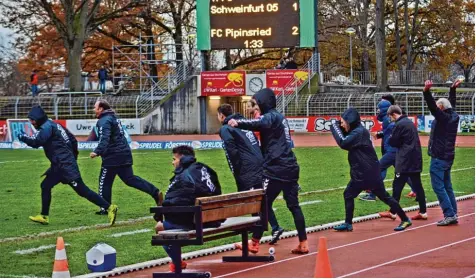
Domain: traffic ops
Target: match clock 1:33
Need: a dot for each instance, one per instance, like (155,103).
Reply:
(255,84)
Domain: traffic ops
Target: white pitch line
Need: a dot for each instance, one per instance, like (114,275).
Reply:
(133,221)
(130,233)
(37,249)
(335,248)
(17,276)
(406,257)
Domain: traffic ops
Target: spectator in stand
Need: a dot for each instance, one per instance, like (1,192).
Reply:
(441,149)
(34,83)
(291,65)
(102,76)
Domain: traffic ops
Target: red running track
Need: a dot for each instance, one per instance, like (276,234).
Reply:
(300,140)
(372,250)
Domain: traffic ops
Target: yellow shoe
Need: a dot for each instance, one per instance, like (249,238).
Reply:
(42,219)
(112,214)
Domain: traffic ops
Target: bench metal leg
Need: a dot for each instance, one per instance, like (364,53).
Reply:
(245,257)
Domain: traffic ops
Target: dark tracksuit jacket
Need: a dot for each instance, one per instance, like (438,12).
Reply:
(279,160)
(405,138)
(387,126)
(191,180)
(444,128)
(243,153)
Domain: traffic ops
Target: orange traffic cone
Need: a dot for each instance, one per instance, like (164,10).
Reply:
(323,265)
(60,268)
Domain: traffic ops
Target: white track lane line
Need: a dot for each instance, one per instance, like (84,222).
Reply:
(406,257)
(335,248)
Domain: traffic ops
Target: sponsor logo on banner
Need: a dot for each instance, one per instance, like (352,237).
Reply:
(298,124)
(323,124)
(223,83)
(466,123)
(84,127)
(5,145)
(17,127)
(285,80)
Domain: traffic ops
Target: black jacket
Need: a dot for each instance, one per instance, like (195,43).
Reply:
(191,180)
(244,155)
(405,138)
(59,145)
(363,160)
(443,129)
(276,144)
(112,146)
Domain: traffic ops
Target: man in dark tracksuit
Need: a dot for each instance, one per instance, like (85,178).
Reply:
(280,168)
(441,149)
(116,155)
(364,168)
(408,162)
(244,157)
(191,180)
(61,148)
(389,153)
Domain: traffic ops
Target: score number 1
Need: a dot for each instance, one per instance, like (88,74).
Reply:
(254,44)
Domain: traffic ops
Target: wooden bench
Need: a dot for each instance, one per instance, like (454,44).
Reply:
(236,208)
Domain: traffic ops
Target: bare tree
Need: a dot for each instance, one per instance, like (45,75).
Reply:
(381,57)
(75,22)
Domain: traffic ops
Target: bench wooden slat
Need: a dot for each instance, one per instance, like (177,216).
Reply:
(234,223)
(230,202)
(231,211)
(233,196)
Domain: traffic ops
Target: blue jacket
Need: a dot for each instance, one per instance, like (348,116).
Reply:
(444,128)
(276,144)
(102,74)
(407,141)
(364,164)
(244,155)
(387,126)
(191,180)
(59,145)
(112,146)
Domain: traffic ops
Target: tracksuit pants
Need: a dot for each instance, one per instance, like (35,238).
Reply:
(399,183)
(126,174)
(52,179)
(378,188)
(290,194)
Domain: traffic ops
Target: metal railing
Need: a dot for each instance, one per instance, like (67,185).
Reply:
(295,85)
(394,77)
(413,103)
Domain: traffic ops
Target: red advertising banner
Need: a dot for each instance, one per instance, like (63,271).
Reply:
(3,130)
(224,83)
(285,80)
(323,123)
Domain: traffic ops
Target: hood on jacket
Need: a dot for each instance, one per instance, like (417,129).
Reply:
(266,100)
(232,116)
(38,114)
(383,106)
(352,117)
(105,112)
(185,162)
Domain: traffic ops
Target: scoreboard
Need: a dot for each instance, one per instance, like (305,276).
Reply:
(254,23)
(244,24)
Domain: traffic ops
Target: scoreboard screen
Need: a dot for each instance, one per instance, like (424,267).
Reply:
(254,23)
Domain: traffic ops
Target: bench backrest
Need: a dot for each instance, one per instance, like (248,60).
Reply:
(231,205)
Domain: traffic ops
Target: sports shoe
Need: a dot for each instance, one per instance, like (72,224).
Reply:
(42,219)
(367,197)
(388,214)
(411,195)
(275,236)
(420,216)
(301,249)
(448,221)
(403,225)
(112,214)
(102,211)
(253,246)
(344,228)
(172,266)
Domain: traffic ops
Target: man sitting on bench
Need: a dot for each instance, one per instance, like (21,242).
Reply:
(191,180)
